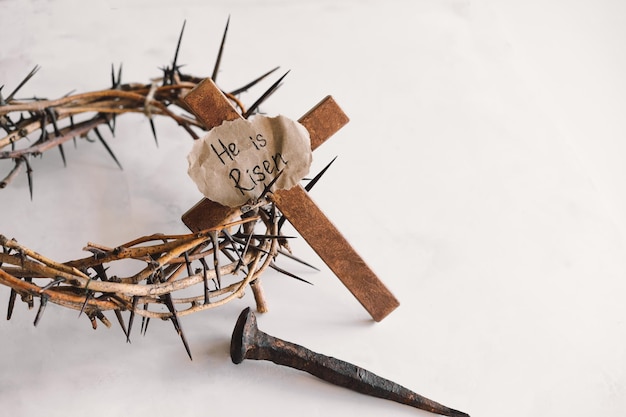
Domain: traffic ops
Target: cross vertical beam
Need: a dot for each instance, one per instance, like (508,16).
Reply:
(211,107)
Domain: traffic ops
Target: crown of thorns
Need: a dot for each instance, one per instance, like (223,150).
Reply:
(177,274)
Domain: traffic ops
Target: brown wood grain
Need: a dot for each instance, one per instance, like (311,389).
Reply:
(212,107)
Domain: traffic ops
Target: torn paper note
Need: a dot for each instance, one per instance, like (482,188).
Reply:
(234,162)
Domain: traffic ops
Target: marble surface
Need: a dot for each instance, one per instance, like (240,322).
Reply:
(481,176)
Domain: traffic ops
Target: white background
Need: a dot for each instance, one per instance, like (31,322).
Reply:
(482,176)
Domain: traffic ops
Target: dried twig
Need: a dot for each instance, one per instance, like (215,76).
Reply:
(175,278)
(82,284)
(30,127)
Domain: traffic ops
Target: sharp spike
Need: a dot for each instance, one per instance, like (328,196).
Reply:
(12,297)
(29,175)
(218,61)
(264,97)
(132,318)
(154,134)
(289,274)
(315,179)
(263,236)
(308,187)
(62,152)
(88,295)
(188,264)
(216,263)
(232,241)
(42,307)
(116,82)
(290,256)
(119,75)
(53,118)
(205,267)
(170,305)
(101,139)
(54,283)
(101,271)
(24,81)
(145,321)
(268,187)
(174,62)
(120,320)
(253,82)
(111,125)
(44,123)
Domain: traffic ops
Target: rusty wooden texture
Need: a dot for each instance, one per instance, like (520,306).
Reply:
(210,105)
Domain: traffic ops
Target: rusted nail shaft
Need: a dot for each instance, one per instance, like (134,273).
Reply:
(248,342)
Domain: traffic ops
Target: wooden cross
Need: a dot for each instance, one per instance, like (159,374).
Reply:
(212,107)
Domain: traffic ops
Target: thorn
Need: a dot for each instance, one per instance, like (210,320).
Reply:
(154,134)
(111,125)
(42,307)
(145,321)
(289,274)
(239,255)
(12,297)
(119,75)
(101,271)
(220,53)
(44,123)
(265,95)
(268,187)
(290,256)
(116,82)
(144,325)
(97,132)
(29,175)
(188,264)
(253,82)
(315,179)
(205,267)
(308,188)
(53,118)
(56,282)
(132,318)
(174,66)
(216,263)
(62,152)
(120,320)
(170,305)
(88,295)
(24,81)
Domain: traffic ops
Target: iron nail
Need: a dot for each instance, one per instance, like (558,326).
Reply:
(248,342)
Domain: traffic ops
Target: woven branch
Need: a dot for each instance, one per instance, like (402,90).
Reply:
(191,265)
(179,274)
(34,126)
